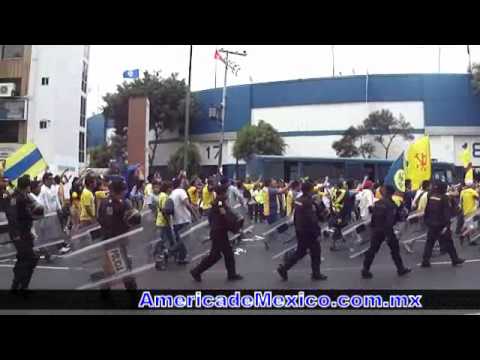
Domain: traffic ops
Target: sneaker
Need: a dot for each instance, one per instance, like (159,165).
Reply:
(404,271)
(367,274)
(196,277)
(282,272)
(319,276)
(65,249)
(425,264)
(458,261)
(235,277)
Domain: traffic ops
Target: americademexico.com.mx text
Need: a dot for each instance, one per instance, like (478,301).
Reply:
(269,300)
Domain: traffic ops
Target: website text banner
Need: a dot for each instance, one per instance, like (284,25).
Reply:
(247,300)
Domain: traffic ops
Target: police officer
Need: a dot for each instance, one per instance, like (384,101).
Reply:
(438,213)
(307,229)
(222,220)
(384,216)
(116,216)
(21,212)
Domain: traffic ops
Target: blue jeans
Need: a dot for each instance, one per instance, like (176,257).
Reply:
(272,218)
(179,247)
(166,240)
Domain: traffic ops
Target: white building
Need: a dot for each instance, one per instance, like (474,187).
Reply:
(48,105)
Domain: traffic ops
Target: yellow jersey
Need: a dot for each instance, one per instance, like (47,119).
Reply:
(161,221)
(193,194)
(207,198)
(468,201)
(290,201)
(87,200)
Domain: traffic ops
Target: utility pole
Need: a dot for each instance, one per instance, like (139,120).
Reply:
(333,61)
(187,113)
(224,104)
(439,56)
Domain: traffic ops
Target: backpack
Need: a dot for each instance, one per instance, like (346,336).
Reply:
(168,208)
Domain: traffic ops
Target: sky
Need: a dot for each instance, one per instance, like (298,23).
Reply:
(265,63)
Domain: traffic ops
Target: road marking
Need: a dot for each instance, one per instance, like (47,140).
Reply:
(101,244)
(44,267)
(449,262)
(283,252)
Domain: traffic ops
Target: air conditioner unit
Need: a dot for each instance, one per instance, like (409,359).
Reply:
(7,90)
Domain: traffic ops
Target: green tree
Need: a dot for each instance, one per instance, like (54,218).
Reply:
(380,126)
(385,128)
(476,77)
(260,139)
(175,164)
(167,105)
(100,156)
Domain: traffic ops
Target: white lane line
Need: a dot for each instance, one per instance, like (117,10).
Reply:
(196,257)
(101,244)
(283,252)
(449,262)
(44,267)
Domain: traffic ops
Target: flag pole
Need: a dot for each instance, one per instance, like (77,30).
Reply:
(469,60)
(216,49)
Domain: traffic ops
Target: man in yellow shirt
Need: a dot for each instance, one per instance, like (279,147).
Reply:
(466,158)
(208,196)
(162,223)
(468,200)
(291,196)
(193,193)
(87,202)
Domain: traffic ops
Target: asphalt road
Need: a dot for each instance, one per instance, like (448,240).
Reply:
(258,264)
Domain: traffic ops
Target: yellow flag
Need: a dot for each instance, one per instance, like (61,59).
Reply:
(418,162)
(466,157)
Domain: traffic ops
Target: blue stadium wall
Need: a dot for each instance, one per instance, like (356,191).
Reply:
(444,107)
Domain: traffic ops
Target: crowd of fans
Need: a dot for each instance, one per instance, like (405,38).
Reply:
(182,201)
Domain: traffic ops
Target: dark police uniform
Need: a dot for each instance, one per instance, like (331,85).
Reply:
(307,231)
(438,213)
(112,216)
(385,214)
(20,221)
(222,220)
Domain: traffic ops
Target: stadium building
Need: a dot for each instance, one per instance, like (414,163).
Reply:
(311,114)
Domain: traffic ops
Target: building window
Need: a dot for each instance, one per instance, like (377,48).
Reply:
(12,51)
(81,147)
(45,81)
(83,110)
(84,77)
(9,131)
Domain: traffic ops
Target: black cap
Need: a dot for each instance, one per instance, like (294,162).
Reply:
(118,186)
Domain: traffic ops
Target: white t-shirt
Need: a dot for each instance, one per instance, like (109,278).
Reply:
(181,214)
(48,198)
(366,199)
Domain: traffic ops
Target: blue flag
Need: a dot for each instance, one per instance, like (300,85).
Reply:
(396,175)
(131,74)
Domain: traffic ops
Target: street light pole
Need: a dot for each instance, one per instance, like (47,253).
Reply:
(187,113)
(224,105)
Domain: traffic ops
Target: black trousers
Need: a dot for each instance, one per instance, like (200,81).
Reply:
(460,223)
(306,241)
(378,237)
(220,246)
(26,261)
(445,240)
